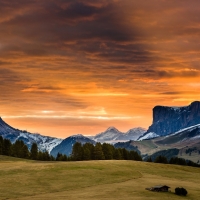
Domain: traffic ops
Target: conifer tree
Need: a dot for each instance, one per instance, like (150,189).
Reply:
(1,145)
(117,155)
(7,147)
(34,151)
(98,152)
(86,153)
(91,149)
(77,151)
(59,157)
(108,150)
(125,154)
(133,155)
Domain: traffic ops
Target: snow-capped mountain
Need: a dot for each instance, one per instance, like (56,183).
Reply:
(44,142)
(113,135)
(65,147)
(110,134)
(132,134)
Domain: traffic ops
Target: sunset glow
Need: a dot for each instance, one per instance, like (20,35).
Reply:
(70,67)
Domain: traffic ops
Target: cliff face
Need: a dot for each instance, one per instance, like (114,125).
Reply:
(168,120)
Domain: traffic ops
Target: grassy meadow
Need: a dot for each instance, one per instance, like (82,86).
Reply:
(34,180)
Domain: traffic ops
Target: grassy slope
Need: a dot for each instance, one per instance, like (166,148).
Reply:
(31,180)
(151,146)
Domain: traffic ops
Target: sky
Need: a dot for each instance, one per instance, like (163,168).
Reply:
(78,67)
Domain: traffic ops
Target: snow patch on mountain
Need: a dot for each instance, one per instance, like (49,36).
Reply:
(110,134)
(113,135)
(147,136)
(132,134)
(45,143)
(191,128)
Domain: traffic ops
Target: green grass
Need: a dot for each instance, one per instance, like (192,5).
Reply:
(33,180)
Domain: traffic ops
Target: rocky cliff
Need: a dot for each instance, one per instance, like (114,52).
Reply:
(168,120)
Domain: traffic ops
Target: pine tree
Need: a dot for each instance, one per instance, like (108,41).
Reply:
(91,149)
(1,145)
(125,154)
(117,155)
(108,150)
(77,151)
(59,157)
(86,154)
(98,152)
(133,155)
(25,152)
(7,147)
(34,151)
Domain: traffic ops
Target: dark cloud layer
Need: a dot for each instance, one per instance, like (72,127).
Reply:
(48,27)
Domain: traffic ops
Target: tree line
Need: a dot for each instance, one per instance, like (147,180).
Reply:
(103,151)
(82,152)
(174,161)
(20,150)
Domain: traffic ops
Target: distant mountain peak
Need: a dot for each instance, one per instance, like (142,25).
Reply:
(77,136)
(112,128)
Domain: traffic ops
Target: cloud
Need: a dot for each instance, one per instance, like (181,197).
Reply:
(123,55)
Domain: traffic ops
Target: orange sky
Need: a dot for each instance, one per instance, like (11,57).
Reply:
(70,66)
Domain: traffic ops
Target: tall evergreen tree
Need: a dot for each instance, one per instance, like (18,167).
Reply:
(1,145)
(98,152)
(133,155)
(25,152)
(91,149)
(108,150)
(86,153)
(7,147)
(20,150)
(117,155)
(77,151)
(125,154)
(34,151)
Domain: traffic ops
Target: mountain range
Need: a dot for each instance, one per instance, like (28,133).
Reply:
(174,131)
(113,135)
(54,145)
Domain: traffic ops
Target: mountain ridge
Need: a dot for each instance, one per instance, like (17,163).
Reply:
(44,142)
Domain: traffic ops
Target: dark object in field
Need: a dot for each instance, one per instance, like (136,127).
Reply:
(159,188)
(181,191)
